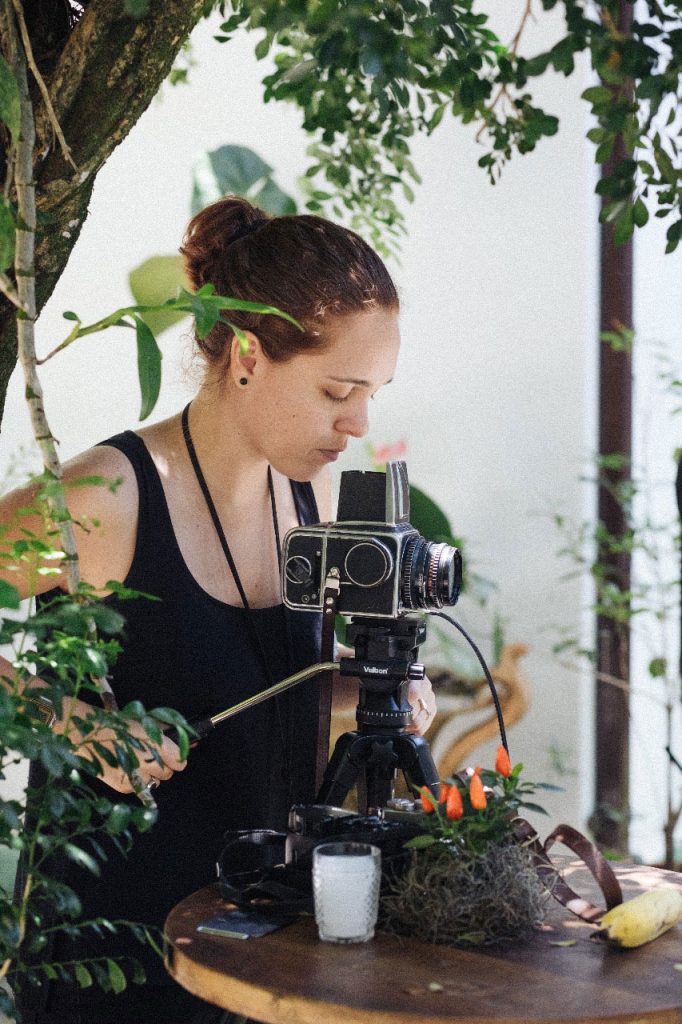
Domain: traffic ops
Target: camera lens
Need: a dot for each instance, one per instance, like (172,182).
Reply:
(431,574)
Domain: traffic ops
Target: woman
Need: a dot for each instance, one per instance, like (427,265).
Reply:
(238,461)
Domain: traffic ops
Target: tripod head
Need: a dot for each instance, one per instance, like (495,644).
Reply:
(385,661)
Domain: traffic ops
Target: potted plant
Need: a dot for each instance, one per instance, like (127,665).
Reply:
(469,881)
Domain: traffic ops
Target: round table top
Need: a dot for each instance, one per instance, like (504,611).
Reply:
(559,975)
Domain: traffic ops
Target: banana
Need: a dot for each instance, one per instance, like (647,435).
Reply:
(642,919)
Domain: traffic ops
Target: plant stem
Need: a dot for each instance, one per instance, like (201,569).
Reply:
(26,317)
(26,40)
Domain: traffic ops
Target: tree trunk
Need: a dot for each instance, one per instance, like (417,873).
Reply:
(110,68)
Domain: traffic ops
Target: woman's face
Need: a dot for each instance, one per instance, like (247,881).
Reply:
(303,412)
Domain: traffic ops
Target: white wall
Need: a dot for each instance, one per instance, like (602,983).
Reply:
(496,387)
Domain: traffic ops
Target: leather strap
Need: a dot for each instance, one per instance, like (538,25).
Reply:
(588,853)
(331,593)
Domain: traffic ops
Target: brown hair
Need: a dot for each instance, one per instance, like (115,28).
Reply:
(304,265)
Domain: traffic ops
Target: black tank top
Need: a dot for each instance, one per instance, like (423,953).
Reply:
(189,651)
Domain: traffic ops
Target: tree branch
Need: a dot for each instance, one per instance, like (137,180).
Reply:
(25,276)
(109,70)
(40,81)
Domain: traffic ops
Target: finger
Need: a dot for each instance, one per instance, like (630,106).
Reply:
(170,753)
(156,770)
(164,760)
(119,785)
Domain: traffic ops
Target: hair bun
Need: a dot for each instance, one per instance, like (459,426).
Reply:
(213,229)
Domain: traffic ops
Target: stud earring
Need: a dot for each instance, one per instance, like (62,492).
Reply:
(243,381)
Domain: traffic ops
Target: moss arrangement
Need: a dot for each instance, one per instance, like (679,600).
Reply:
(458,897)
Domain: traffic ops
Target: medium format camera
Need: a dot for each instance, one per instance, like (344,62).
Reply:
(384,566)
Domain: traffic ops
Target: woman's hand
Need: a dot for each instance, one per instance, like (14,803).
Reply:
(156,762)
(423,700)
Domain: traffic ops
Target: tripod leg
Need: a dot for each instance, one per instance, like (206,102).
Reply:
(377,777)
(341,772)
(414,757)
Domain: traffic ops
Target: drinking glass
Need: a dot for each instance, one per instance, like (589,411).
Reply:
(346,883)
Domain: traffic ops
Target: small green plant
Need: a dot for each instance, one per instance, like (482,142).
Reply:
(468,880)
(476,808)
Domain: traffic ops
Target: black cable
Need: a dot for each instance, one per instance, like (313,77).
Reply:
(486,672)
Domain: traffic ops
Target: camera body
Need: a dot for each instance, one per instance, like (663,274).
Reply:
(384,566)
(312,824)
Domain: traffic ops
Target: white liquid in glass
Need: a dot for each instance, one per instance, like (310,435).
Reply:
(346,882)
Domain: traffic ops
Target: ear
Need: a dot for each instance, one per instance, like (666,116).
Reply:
(243,364)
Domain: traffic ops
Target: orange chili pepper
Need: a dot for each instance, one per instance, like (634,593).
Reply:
(477,795)
(454,808)
(427,806)
(502,762)
(443,792)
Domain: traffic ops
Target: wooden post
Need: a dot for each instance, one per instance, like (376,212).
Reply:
(610,819)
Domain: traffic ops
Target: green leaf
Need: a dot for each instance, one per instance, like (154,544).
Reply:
(420,842)
(128,593)
(83,976)
(429,519)
(225,171)
(263,47)
(78,856)
(237,170)
(271,198)
(673,235)
(148,367)
(658,667)
(624,227)
(241,337)
(10,105)
(154,282)
(9,596)
(119,818)
(640,213)
(116,976)
(96,662)
(597,95)
(7,234)
(107,619)
(532,807)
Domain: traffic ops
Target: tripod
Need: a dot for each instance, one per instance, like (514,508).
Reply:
(385,661)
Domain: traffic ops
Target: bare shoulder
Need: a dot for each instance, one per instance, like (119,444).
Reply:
(322,488)
(101,494)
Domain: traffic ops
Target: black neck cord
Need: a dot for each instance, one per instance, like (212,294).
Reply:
(201,480)
(486,672)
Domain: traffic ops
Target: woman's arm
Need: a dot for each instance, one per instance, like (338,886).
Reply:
(155,761)
(104,517)
(105,523)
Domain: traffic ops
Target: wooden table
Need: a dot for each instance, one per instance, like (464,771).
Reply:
(290,977)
